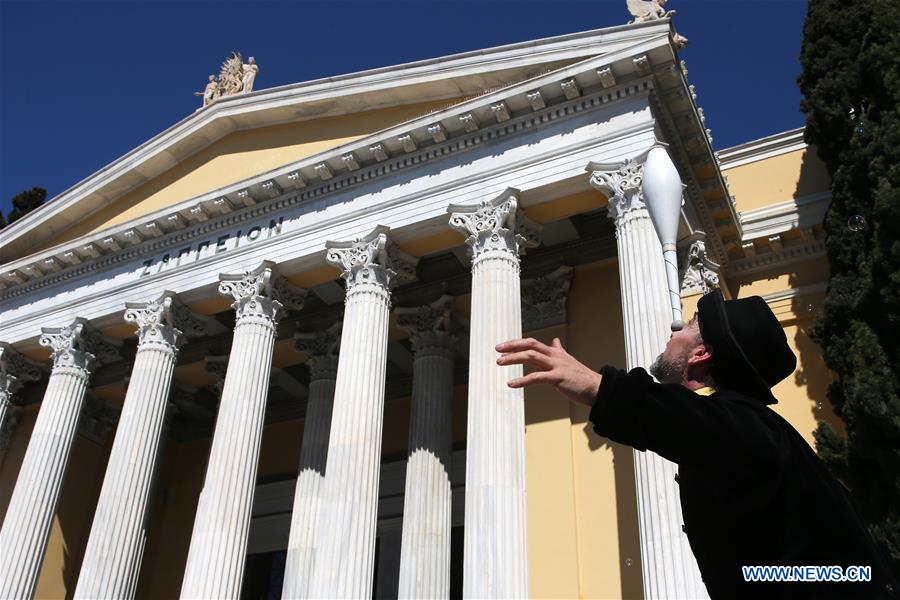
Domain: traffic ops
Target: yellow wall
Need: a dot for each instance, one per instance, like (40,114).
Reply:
(777,179)
(238,156)
(77,501)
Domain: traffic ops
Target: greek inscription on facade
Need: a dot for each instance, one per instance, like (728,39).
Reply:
(210,247)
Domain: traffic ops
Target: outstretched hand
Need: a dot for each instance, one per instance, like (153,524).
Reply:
(555,367)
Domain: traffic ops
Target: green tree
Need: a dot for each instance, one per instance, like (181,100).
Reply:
(851,94)
(23,203)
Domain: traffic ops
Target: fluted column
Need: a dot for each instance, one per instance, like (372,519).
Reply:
(496,561)
(321,352)
(15,371)
(345,538)
(112,559)
(425,545)
(215,564)
(76,350)
(669,567)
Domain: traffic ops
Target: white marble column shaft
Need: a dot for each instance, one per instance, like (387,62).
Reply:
(321,352)
(425,544)
(29,517)
(496,561)
(669,567)
(345,539)
(112,558)
(218,551)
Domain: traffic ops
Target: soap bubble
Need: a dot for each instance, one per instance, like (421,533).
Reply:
(856,223)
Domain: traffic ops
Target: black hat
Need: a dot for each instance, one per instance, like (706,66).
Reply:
(749,348)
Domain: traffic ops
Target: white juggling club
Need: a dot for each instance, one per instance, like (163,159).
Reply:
(662,193)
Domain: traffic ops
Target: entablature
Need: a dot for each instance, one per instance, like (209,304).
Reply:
(455,76)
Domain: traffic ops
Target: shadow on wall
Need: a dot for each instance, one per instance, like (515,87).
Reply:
(812,373)
(814,376)
(813,177)
(626,509)
(75,513)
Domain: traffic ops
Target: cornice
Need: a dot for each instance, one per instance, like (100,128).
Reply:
(781,257)
(778,218)
(435,79)
(767,147)
(682,122)
(327,172)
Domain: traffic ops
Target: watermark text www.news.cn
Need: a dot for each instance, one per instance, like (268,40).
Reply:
(807,573)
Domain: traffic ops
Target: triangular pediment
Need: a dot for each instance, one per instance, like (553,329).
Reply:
(239,136)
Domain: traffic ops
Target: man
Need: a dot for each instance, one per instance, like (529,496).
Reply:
(752,490)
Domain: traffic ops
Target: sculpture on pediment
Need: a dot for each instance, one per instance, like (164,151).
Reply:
(231,75)
(235,77)
(250,69)
(648,10)
(210,92)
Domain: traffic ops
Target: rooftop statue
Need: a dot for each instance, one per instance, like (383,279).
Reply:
(651,10)
(235,77)
(210,92)
(648,10)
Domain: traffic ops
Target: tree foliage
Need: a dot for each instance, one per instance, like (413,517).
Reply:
(851,97)
(23,203)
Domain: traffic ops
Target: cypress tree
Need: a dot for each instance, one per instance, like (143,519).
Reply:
(25,202)
(851,96)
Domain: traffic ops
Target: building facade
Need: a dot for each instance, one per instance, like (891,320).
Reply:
(255,355)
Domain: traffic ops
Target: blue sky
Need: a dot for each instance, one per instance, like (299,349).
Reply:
(85,82)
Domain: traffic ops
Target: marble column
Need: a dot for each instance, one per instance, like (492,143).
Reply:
(76,349)
(112,559)
(218,551)
(669,567)
(496,561)
(425,545)
(321,358)
(15,371)
(345,539)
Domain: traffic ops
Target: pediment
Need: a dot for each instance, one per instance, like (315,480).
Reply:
(239,136)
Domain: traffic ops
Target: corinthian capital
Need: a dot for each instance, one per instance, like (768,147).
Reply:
(544,299)
(16,370)
(164,321)
(621,183)
(497,224)
(79,345)
(261,293)
(371,259)
(428,326)
(321,349)
(699,274)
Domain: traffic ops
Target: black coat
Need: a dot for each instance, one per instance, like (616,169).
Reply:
(752,490)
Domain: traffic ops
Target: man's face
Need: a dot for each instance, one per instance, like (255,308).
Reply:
(671,365)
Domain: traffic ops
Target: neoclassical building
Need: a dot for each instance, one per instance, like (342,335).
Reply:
(255,355)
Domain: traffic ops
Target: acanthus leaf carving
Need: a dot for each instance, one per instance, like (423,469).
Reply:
(621,183)
(495,225)
(164,321)
(371,259)
(321,349)
(261,293)
(79,346)
(15,371)
(699,274)
(429,327)
(544,299)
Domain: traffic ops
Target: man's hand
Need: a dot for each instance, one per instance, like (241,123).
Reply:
(556,367)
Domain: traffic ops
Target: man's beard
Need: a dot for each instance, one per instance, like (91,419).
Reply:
(668,371)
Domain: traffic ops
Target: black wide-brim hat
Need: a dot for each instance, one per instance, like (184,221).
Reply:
(750,351)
